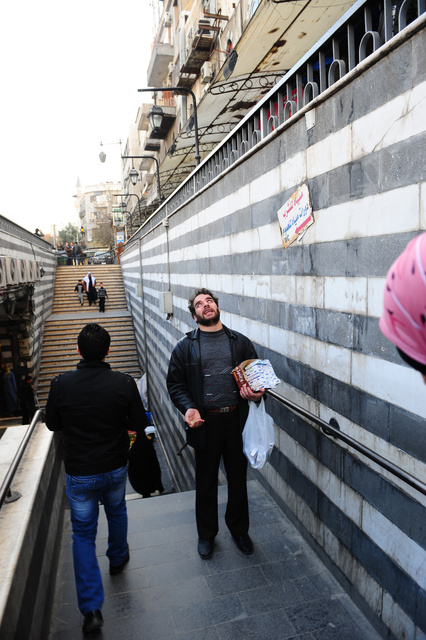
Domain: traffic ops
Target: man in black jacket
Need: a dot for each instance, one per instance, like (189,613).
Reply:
(201,385)
(94,407)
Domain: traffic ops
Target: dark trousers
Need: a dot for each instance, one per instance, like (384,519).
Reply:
(223,440)
(101,304)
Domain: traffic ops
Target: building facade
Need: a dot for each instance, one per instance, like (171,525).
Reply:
(100,214)
(224,56)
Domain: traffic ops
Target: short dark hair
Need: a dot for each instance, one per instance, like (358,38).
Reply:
(93,342)
(28,377)
(199,292)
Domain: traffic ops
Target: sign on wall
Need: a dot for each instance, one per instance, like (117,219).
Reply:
(295,216)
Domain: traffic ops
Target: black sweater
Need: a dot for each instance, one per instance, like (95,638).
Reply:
(93,407)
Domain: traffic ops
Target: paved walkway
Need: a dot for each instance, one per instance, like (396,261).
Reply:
(167,592)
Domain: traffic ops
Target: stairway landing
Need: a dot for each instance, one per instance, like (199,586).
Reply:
(167,592)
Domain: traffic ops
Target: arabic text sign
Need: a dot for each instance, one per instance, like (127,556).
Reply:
(295,216)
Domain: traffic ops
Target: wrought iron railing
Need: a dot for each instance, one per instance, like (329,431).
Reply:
(366,27)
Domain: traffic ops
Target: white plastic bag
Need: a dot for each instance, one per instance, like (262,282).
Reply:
(258,435)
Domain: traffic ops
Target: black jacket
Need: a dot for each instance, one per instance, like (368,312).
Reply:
(94,407)
(185,380)
(26,397)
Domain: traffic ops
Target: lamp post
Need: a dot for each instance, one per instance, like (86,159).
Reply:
(134,174)
(123,204)
(128,217)
(102,155)
(155,114)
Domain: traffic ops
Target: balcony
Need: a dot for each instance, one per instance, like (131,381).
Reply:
(162,54)
(200,40)
(152,145)
(166,101)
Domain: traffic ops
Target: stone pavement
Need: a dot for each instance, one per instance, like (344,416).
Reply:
(167,592)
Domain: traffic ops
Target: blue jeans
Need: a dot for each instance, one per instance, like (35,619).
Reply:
(84,494)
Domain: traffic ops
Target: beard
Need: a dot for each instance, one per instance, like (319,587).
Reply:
(208,322)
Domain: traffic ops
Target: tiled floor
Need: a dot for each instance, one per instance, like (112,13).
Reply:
(167,592)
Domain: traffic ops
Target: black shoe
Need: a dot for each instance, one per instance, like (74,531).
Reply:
(244,544)
(92,621)
(205,548)
(115,569)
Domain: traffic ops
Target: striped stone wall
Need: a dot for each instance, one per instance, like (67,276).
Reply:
(313,310)
(17,242)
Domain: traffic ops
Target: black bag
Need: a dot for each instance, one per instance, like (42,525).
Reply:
(144,468)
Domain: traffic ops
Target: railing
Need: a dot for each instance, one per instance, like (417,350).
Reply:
(367,26)
(332,429)
(5,494)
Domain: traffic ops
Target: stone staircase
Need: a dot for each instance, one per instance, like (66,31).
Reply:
(65,300)
(59,351)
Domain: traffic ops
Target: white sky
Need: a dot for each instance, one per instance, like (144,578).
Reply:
(69,74)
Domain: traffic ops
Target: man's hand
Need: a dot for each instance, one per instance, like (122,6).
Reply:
(247,393)
(193,418)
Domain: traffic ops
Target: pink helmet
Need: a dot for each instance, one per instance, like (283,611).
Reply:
(403,319)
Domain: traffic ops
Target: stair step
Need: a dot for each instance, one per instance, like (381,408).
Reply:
(51,349)
(60,336)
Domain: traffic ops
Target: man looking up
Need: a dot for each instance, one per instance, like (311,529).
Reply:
(201,385)
(93,407)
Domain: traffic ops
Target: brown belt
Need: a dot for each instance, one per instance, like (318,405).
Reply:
(223,409)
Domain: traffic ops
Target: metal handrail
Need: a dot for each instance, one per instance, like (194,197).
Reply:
(16,460)
(334,431)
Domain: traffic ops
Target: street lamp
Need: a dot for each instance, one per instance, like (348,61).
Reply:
(155,114)
(155,117)
(134,174)
(128,217)
(102,155)
(123,204)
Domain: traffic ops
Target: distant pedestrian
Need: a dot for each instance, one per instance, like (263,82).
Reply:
(68,251)
(77,254)
(79,289)
(102,294)
(27,400)
(10,390)
(89,287)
